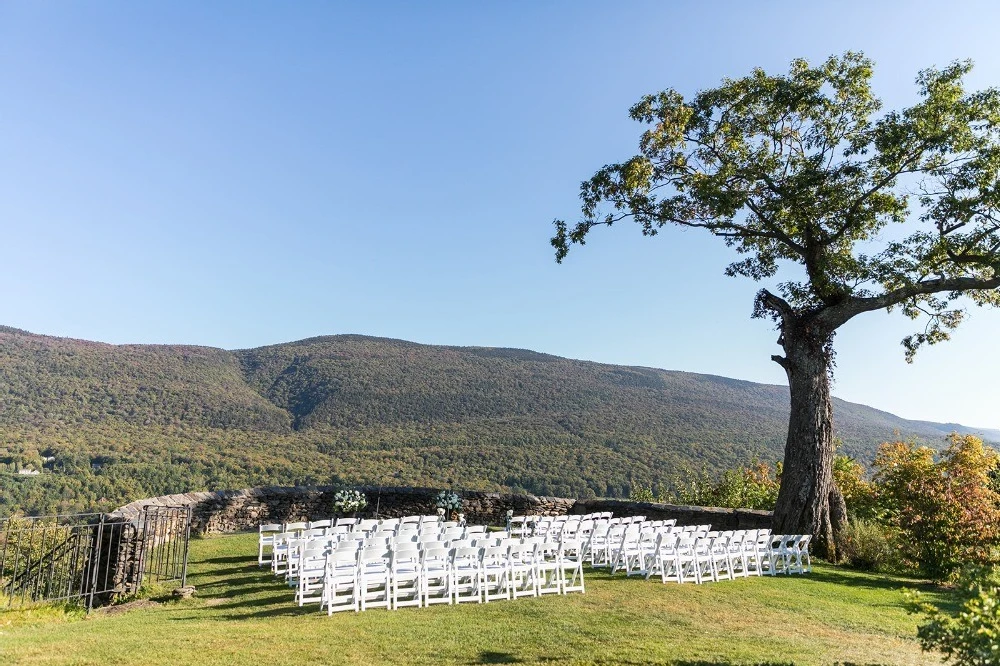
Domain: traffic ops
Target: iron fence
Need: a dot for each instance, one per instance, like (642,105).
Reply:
(91,558)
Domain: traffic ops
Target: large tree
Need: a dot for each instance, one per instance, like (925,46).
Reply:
(852,208)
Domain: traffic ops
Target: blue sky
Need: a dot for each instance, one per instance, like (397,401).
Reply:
(240,174)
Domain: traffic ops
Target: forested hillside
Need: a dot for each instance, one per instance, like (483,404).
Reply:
(105,423)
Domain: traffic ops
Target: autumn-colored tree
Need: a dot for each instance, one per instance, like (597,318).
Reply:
(946,512)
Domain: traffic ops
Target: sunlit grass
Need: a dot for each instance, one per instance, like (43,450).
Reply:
(241,615)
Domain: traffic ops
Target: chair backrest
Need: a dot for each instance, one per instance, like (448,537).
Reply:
(270,527)
(410,520)
(405,538)
(437,556)
(367,524)
(316,524)
(465,555)
(685,545)
(296,527)
(342,558)
(374,554)
(405,554)
(349,546)
(803,543)
(494,554)
(475,529)
(346,521)
(376,542)
(522,553)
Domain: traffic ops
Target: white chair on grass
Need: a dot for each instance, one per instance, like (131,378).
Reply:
(547,569)
(374,584)
(406,575)
(719,549)
(435,574)
(266,541)
(311,573)
(495,568)
(776,557)
(466,575)
(340,583)
(664,559)
(802,549)
(523,580)
(570,563)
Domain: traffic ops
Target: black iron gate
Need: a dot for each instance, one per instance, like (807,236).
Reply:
(91,558)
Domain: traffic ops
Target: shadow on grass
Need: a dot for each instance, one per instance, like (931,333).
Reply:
(493,657)
(232,559)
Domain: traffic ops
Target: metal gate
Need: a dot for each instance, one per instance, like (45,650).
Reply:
(91,558)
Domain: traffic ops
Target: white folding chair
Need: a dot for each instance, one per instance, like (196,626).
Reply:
(802,549)
(547,568)
(495,568)
(340,583)
(523,580)
(374,584)
(719,549)
(517,526)
(435,573)
(664,558)
(406,575)
(570,563)
(266,540)
(466,575)
(311,573)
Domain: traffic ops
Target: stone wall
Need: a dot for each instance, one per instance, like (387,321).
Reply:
(238,510)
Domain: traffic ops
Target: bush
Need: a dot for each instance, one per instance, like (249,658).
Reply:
(859,494)
(968,635)
(946,512)
(868,545)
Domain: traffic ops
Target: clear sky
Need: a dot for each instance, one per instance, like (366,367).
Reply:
(240,174)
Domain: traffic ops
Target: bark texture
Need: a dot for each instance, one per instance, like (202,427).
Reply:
(808,500)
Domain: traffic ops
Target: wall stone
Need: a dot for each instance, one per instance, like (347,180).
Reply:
(238,510)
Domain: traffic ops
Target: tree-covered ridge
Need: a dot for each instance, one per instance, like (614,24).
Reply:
(106,424)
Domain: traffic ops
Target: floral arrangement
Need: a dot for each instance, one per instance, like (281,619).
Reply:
(448,501)
(349,501)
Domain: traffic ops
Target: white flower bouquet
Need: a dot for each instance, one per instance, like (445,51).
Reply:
(349,501)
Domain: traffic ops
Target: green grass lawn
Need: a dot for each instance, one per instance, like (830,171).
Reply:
(241,615)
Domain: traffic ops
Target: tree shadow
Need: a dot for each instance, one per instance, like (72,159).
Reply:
(232,559)
(493,657)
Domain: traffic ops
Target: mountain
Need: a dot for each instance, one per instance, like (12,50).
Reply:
(106,423)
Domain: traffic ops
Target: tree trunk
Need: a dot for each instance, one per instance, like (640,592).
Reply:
(808,500)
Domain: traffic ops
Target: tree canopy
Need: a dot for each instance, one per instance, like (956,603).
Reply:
(806,168)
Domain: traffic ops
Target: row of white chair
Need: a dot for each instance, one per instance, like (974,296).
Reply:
(287,547)
(721,556)
(537,525)
(275,533)
(351,576)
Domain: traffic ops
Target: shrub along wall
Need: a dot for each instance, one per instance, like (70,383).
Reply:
(237,510)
